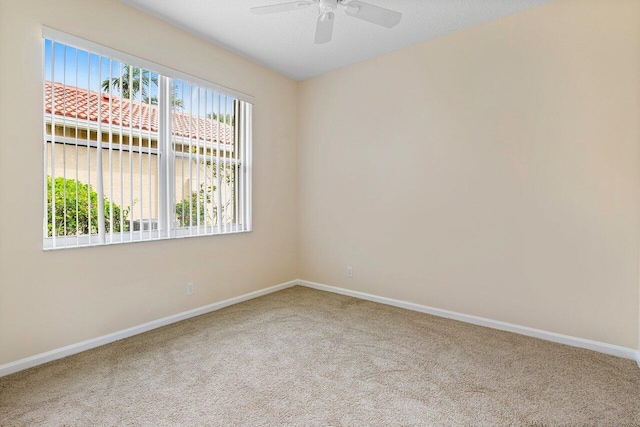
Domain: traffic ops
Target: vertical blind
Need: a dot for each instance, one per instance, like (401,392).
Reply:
(131,154)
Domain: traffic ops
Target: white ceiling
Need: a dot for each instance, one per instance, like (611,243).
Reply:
(284,42)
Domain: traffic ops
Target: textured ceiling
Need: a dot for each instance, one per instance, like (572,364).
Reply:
(284,42)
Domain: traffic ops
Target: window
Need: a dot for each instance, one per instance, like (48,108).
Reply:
(134,151)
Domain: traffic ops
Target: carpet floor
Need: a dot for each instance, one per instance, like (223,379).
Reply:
(306,357)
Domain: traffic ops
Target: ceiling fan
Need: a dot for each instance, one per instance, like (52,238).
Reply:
(326,14)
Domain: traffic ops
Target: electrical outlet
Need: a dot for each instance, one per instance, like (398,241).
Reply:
(349,272)
(189,288)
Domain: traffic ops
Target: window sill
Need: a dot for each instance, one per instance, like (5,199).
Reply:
(73,242)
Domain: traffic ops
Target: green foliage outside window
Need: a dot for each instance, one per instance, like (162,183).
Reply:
(187,210)
(187,213)
(76,206)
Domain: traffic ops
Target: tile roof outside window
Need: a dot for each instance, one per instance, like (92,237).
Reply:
(71,101)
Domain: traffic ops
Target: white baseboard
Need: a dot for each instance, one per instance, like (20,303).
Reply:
(39,359)
(601,347)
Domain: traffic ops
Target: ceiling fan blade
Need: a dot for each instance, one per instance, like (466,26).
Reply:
(374,14)
(324,27)
(282,7)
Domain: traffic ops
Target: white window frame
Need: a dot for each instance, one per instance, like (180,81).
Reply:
(167,228)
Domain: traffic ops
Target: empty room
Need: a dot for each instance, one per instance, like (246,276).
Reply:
(319,213)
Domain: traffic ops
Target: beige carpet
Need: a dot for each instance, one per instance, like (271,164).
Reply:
(305,357)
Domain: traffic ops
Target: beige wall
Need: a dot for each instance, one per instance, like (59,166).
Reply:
(494,171)
(52,299)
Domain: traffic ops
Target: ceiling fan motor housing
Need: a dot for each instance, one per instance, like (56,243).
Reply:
(328,5)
